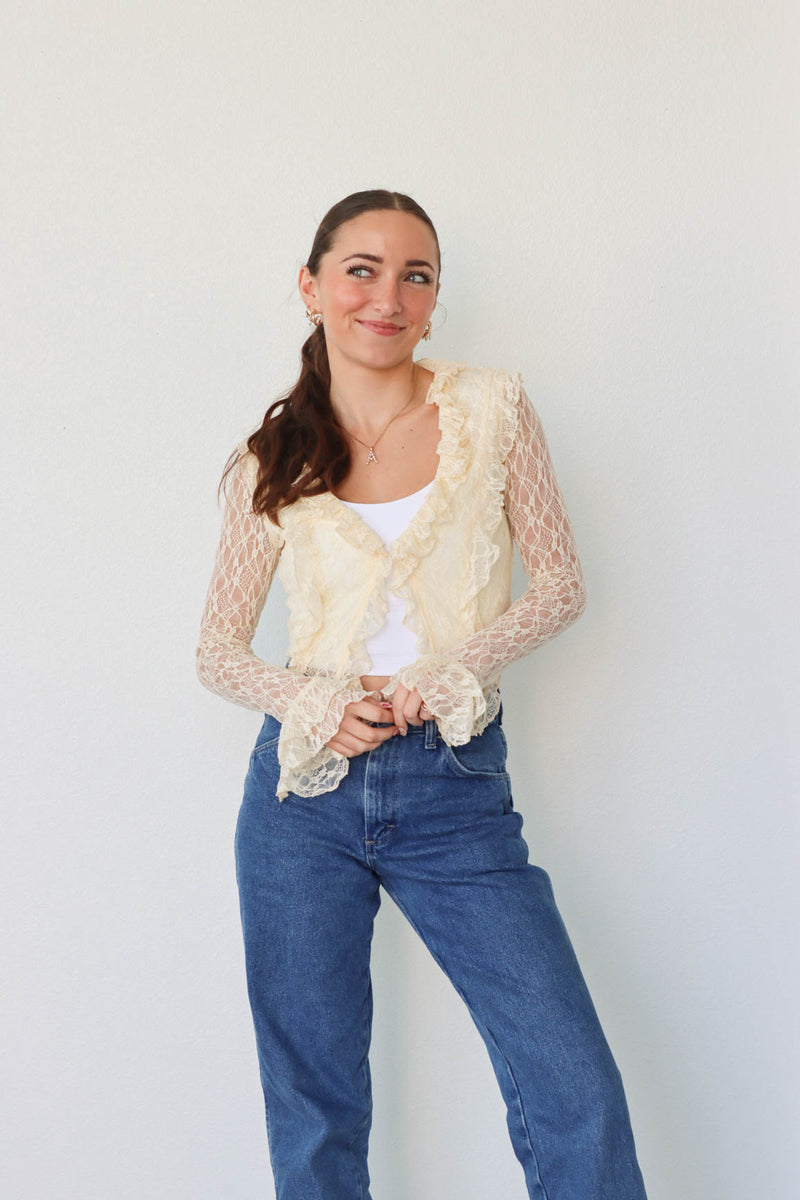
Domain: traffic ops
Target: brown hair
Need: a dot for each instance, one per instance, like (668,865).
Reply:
(300,446)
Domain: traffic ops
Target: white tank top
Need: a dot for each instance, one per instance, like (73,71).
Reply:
(394,645)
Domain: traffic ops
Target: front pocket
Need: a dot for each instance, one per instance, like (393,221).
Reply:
(485,754)
(268,736)
(265,747)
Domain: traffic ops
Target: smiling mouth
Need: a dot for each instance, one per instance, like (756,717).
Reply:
(382,326)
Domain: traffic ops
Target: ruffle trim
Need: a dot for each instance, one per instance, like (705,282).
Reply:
(458,704)
(401,557)
(373,617)
(485,548)
(418,538)
(452,692)
(455,457)
(308,766)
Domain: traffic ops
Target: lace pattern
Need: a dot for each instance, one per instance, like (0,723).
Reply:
(310,707)
(541,528)
(495,463)
(460,688)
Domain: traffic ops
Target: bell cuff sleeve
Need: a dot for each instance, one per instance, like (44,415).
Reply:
(308,766)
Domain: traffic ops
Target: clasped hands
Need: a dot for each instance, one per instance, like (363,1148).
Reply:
(354,736)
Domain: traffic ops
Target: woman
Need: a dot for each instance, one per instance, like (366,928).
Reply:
(387,492)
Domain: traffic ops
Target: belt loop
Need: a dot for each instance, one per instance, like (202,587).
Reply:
(430,735)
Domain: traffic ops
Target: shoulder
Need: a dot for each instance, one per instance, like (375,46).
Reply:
(502,410)
(239,481)
(241,470)
(493,396)
(487,392)
(465,376)
(490,378)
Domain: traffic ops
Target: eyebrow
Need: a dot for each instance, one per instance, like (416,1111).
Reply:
(410,262)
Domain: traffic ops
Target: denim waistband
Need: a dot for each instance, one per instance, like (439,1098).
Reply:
(429,728)
(411,728)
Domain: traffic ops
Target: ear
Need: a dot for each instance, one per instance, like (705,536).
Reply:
(308,288)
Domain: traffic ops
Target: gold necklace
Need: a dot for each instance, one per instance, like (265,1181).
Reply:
(372,456)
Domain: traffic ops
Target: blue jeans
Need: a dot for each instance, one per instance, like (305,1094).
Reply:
(436,827)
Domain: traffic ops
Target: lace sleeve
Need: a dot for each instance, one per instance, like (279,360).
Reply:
(453,684)
(310,708)
(247,555)
(541,528)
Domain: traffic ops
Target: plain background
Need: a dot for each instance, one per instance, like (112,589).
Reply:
(615,187)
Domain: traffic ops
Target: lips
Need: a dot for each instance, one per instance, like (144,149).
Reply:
(381,327)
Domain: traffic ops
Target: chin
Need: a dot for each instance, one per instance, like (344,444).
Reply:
(384,355)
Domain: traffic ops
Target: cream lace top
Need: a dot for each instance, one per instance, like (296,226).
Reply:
(452,566)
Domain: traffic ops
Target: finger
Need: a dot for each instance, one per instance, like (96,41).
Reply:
(369,731)
(369,710)
(347,745)
(399,699)
(409,705)
(412,708)
(341,748)
(360,737)
(351,746)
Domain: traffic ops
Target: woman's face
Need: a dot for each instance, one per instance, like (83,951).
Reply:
(376,287)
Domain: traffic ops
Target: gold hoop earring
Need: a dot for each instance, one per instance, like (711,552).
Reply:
(314,317)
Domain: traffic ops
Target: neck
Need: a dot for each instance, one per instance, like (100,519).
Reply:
(364,398)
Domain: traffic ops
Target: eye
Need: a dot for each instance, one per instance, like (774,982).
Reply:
(415,276)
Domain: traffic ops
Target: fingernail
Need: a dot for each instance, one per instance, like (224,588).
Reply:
(386,704)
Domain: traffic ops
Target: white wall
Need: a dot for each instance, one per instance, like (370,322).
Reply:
(616,189)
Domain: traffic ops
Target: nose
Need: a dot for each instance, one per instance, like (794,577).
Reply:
(386,297)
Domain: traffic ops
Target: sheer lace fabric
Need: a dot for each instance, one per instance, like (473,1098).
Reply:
(453,685)
(310,707)
(495,481)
